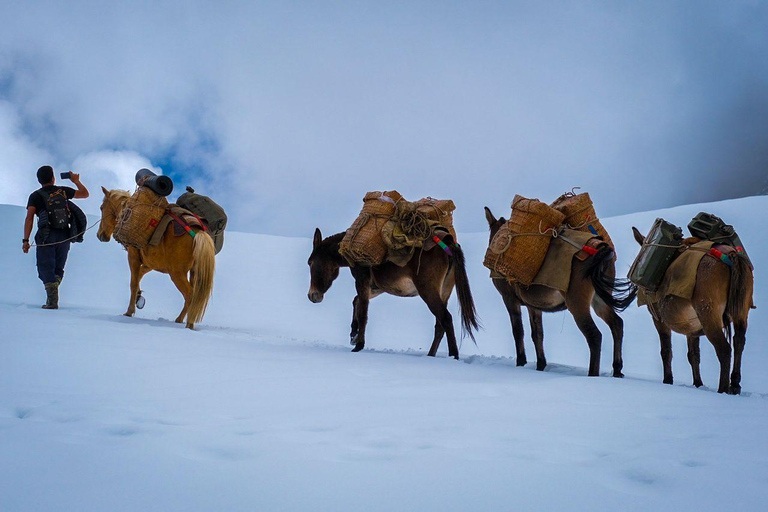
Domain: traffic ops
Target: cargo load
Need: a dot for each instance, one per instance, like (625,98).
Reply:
(710,227)
(413,226)
(139,218)
(518,249)
(580,214)
(209,211)
(660,247)
(362,243)
(160,185)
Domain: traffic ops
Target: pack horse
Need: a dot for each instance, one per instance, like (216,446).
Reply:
(188,260)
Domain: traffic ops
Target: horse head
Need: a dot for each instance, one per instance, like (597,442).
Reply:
(324,264)
(493,223)
(110,209)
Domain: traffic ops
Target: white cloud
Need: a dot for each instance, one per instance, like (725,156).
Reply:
(109,169)
(19,159)
(287,113)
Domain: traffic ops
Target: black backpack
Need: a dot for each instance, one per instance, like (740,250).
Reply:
(56,205)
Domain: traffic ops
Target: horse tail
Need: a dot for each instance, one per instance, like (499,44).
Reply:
(740,290)
(618,294)
(469,320)
(203,267)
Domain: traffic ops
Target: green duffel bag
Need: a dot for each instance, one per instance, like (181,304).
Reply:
(661,246)
(207,209)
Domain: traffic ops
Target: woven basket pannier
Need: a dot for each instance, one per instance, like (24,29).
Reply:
(440,211)
(518,249)
(580,214)
(362,243)
(139,218)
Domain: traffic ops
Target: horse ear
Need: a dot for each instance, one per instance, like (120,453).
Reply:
(489,217)
(106,192)
(318,238)
(638,236)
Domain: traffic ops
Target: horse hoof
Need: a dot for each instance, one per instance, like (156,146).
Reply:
(128,314)
(667,381)
(540,367)
(191,327)
(734,390)
(698,384)
(521,362)
(618,374)
(358,348)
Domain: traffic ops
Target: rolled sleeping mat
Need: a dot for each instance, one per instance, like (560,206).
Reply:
(160,185)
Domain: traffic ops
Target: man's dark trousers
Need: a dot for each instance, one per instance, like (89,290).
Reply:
(52,258)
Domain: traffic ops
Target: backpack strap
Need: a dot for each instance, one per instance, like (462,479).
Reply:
(44,195)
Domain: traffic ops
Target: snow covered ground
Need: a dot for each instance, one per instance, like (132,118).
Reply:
(264,407)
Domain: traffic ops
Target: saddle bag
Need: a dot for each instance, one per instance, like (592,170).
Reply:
(207,209)
(363,243)
(518,249)
(660,247)
(580,214)
(139,218)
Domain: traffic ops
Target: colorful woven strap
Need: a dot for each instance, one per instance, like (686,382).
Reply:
(183,224)
(442,245)
(722,256)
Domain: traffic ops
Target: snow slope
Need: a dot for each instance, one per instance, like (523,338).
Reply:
(265,408)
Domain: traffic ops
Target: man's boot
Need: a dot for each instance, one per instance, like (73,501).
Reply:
(52,291)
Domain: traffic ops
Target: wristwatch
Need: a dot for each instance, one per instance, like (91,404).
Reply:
(25,240)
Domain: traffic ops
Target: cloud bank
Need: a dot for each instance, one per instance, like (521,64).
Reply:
(287,113)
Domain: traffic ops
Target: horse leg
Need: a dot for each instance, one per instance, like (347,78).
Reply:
(354,328)
(712,322)
(587,326)
(439,332)
(694,358)
(537,333)
(616,324)
(665,338)
(183,285)
(439,308)
(739,340)
(360,309)
(134,264)
(516,319)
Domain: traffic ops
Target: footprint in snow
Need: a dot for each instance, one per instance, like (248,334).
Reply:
(122,431)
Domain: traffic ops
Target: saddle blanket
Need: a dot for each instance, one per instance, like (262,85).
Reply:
(178,229)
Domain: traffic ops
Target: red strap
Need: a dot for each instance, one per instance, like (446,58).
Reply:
(202,224)
(181,222)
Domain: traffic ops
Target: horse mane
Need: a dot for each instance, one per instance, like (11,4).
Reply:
(120,194)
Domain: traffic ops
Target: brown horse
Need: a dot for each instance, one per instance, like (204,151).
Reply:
(176,256)
(718,309)
(431,275)
(592,284)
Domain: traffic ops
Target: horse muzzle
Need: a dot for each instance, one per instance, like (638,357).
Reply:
(315,296)
(102,237)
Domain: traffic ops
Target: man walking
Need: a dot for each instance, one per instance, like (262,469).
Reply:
(55,221)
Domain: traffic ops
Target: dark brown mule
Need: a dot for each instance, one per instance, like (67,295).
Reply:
(718,309)
(431,275)
(178,257)
(592,284)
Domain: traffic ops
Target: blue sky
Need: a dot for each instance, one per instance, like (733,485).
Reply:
(288,112)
